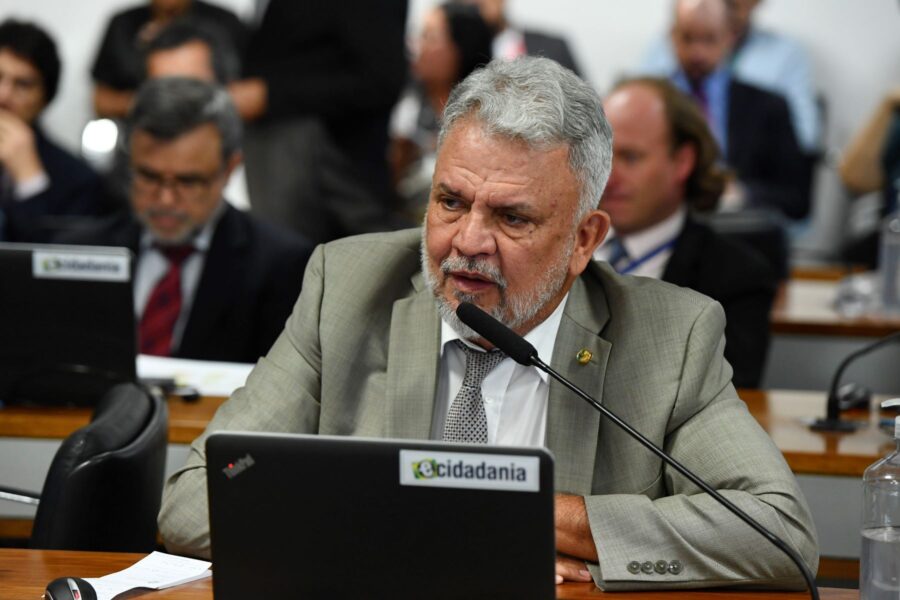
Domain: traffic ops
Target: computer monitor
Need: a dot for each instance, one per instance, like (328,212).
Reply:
(320,517)
(67,323)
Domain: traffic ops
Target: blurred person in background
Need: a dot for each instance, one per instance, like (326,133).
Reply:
(453,42)
(43,188)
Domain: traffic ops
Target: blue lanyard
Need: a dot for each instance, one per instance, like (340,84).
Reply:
(639,261)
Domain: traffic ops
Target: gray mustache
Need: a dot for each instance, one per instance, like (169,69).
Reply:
(463,263)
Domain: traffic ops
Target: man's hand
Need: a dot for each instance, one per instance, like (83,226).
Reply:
(573,531)
(571,569)
(18,154)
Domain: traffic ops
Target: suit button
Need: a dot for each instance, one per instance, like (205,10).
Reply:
(647,567)
(675,567)
(634,567)
(661,567)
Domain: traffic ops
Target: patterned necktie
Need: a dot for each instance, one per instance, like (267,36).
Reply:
(618,255)
(698,92)
(164,305)
(466,419)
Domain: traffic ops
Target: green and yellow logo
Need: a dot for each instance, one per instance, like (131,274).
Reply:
(425,469)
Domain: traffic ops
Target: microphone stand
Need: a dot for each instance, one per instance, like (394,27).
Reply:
(832,420)
(524,353)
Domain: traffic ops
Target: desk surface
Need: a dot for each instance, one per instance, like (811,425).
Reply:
(24,573)
(804,306)
(781,413)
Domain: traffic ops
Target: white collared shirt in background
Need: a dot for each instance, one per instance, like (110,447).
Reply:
(151,265)
(644,242)
(515,396)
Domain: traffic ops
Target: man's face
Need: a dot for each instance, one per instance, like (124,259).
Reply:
(647,180)
(500,230)
(21,87)
(701,36)
(177,184)
(193,60)
(436,56)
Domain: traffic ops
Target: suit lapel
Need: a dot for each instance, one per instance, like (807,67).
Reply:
(413,361)
(572,424)
(682,266)
(224,265)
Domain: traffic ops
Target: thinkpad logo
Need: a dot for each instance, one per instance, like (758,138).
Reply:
(239,466)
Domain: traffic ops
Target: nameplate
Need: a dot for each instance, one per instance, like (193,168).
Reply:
(80,266)
(470,470)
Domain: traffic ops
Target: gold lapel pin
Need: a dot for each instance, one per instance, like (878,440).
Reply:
(584,356)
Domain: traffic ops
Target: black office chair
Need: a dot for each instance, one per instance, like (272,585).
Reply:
(762,230)
(104,486)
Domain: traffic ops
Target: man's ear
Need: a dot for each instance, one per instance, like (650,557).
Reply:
(685,160)
(590,233)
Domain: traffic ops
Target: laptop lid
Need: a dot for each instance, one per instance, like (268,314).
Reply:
(67,323)
(307,516)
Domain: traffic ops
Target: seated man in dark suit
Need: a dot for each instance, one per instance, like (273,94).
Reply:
(211,282)
(41,185)
(664,164)
(752,126)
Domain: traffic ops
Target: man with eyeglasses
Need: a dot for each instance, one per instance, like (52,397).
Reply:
(42,187)
(211,282)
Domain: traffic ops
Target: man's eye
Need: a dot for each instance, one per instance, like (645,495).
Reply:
(451,203)
(513,219)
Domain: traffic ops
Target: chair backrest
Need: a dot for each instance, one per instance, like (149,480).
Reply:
(104,486)
(762,230)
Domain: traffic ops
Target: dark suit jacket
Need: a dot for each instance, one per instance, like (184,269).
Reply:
(250,281)
(75,191)
(550,46)
(763,150)
(741,281)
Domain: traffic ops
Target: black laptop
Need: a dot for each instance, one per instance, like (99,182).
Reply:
(312,517)
(67,324)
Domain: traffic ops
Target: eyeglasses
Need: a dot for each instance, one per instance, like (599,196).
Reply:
(183,186)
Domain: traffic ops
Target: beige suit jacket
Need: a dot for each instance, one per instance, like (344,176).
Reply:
(359,356)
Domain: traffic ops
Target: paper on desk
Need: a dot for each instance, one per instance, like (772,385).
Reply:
(156,571)
(208,377)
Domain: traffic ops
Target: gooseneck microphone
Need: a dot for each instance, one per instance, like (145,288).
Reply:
(515,346)
(832,420)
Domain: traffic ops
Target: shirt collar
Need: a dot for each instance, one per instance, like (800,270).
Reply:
(201,240)
(643,242)
(542,336)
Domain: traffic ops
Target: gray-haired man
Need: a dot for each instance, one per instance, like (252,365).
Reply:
(511,225)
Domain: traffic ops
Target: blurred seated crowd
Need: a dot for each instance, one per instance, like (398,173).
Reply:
(321,122)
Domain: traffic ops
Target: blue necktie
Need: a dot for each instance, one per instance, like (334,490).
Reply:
(618,255)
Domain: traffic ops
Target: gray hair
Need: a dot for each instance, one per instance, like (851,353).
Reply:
(169,107)
(543,104)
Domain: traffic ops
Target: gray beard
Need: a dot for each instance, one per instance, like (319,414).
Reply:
(512,310)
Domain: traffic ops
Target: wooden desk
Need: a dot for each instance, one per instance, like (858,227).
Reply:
(805,307)
(187,420)
(24,573)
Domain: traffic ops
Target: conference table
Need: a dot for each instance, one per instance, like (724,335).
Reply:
(25,573)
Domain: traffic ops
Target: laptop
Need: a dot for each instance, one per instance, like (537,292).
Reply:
(306,516)
(67,324)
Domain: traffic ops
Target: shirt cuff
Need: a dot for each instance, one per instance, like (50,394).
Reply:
(31,187)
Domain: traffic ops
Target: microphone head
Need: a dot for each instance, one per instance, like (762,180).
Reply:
(501,336)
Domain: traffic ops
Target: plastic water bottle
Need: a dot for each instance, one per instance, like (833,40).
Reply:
(889,263)
(879,565)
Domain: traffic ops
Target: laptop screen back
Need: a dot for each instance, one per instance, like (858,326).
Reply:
(67,325)
(324,517)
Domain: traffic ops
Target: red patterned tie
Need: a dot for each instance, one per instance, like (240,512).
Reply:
(164,305)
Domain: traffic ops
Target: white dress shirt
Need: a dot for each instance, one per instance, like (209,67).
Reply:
(515,396)
(152,265)
(643,243)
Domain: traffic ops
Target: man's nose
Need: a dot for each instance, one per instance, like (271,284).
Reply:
(476,235)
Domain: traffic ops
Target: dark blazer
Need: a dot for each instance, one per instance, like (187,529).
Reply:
(764,152)
(741,281)
(250,281)
(75,192)
(550,46)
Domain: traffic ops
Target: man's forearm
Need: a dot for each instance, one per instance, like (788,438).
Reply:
(573,531)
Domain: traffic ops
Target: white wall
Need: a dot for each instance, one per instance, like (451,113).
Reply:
(854,45)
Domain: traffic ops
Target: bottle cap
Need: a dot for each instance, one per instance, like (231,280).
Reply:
(889,404)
